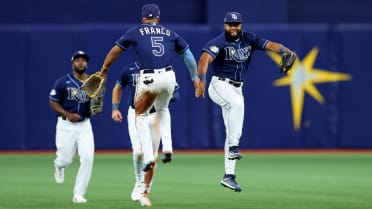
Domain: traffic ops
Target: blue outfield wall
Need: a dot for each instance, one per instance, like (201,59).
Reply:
(34,56)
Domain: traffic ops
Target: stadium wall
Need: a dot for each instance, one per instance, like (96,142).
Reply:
(34,56)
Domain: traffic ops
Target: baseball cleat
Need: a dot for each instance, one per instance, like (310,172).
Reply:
(234,153)
(229,182)
(148,166)
(137,191)
(167,157)
(59,175)
(79,199)
(145,200)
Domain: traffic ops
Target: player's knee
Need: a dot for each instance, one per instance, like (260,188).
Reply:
(237,105)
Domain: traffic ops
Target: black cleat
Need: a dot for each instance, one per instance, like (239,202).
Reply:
(167,157)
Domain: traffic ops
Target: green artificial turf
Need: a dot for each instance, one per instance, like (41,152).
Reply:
(191,181)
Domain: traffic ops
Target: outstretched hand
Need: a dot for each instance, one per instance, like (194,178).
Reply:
(199,89)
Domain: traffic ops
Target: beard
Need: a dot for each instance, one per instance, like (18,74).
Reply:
(80,70)
(233,37)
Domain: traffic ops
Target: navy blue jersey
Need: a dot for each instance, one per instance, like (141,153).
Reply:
(128,77)
(232,58)
(67,92)
(153,44)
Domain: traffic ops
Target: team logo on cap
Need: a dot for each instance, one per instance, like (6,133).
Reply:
(234,16)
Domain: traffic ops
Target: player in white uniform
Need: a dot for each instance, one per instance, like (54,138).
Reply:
(154,46)
(128,77)
(229,55)
(74,130)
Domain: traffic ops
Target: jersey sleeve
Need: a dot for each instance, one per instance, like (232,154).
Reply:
(214,46)
(57,91)
(124,77)
(257,42)
(126,40)
(180,44)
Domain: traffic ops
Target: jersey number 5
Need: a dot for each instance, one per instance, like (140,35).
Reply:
(157,44)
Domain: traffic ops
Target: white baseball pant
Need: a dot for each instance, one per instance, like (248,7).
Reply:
(162,84)
(231,101)
(72,137)
(152,123)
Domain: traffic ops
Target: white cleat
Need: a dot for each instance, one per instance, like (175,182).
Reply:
(137,192)
(79,199)
(59,175)
(145,201)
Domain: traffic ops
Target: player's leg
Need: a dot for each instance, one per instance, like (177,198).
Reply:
(86,154)
(66,147)
(161,105)
(144,98)
(231,100)
(137,155)
(149,174)
(228,179)
(144,136)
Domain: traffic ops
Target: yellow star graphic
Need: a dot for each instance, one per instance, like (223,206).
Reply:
(302,78)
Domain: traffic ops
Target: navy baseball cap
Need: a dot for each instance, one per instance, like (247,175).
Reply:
(150,11)
(79,54)
(233,17)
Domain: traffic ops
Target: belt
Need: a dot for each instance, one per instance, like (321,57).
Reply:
(152,110)
(146,71)
(64,118)
(232,82)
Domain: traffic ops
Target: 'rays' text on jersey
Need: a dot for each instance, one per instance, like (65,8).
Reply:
(238,55)
(77,95)
(154,30)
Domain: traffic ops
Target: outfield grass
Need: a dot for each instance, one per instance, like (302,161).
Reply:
(191,181)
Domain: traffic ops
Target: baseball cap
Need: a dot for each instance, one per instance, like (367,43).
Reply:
(79,54)
(233,17)
(150,11)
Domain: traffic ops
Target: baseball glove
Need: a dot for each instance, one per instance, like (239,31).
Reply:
(96,103)
(288,58)
(94,85)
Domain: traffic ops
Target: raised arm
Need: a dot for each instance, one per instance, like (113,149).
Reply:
(276,47)
(113,54)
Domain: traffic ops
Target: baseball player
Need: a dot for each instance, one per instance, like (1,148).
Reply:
(229,55)
(74,130)
(128,77)
(154,46)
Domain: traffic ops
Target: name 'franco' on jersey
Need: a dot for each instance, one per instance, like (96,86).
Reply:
(67,92)
(153,45)
(232,58)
